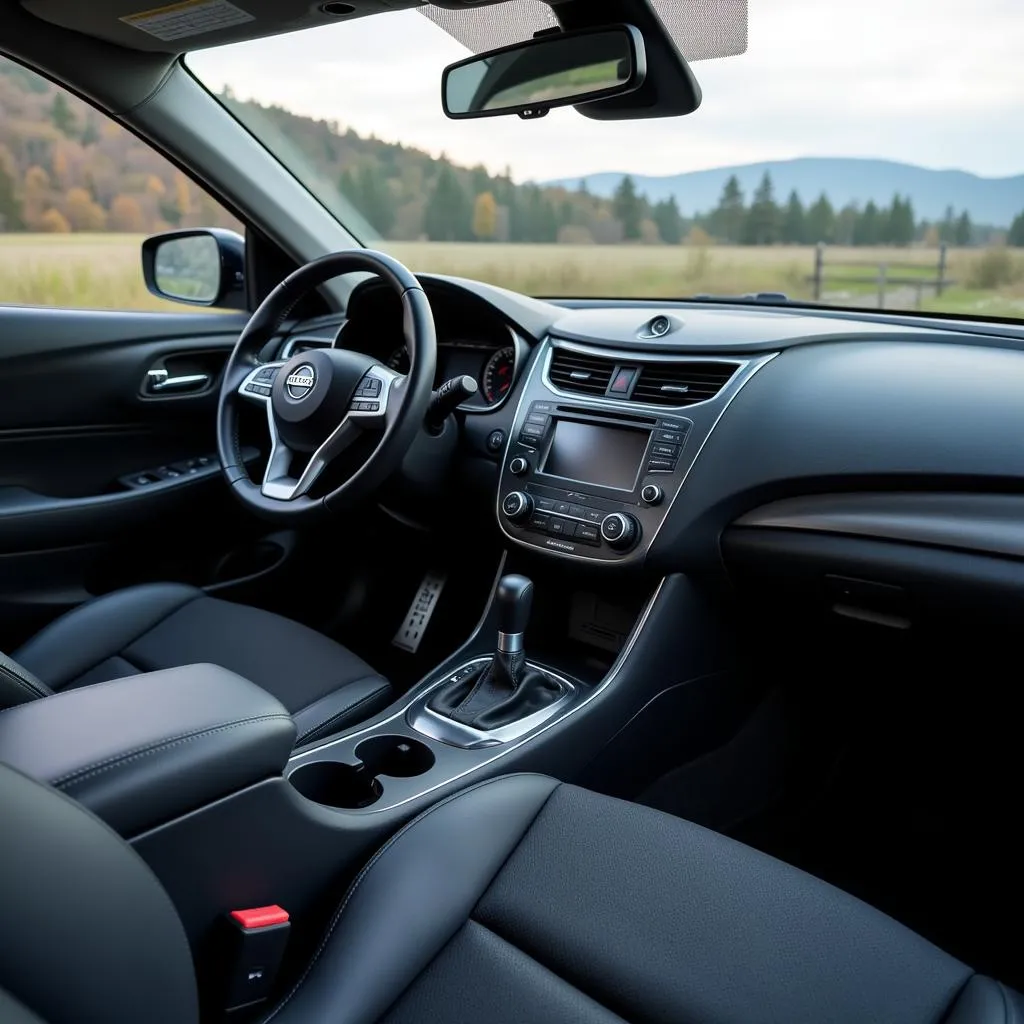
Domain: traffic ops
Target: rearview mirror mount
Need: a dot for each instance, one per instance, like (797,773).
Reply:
(558,70)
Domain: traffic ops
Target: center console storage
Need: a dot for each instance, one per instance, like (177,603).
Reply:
(145,749)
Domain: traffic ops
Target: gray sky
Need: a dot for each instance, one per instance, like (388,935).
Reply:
(933,82)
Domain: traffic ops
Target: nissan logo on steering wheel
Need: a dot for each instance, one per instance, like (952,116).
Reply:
(300,383)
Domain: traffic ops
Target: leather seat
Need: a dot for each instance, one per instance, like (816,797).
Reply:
(520,899)
(168,625)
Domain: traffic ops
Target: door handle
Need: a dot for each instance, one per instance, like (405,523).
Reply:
(159,380)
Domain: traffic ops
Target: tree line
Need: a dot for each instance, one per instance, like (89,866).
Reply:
(64,167)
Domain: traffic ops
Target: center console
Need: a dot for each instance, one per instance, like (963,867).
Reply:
(601,445)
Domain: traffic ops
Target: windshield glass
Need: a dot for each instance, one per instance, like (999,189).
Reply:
(857,155)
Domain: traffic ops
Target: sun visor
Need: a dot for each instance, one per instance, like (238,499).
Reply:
(701,29)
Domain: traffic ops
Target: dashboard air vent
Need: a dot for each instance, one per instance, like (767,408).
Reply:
(585,375)
(294,346)
(681,384)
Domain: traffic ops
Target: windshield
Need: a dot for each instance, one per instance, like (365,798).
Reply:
(856,155)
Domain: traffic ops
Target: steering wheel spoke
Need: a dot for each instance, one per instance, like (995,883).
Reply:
(256,384)
(323,399)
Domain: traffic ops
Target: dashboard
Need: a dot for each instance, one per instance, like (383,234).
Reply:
(690,437)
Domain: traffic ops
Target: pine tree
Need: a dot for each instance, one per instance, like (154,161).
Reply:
(762,222)
(821,221)
(628,208)
(963,229)
(947,230)
(374,200)
(727,218)
(868,227)
(1016,235)
(794,226)
(449,213)
(669,221)
(62,116)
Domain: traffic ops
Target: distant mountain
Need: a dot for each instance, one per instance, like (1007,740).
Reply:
(994,201)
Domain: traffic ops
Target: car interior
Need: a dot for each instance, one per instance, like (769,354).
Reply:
(393,646)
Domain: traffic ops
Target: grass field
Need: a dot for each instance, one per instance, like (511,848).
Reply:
(103,272)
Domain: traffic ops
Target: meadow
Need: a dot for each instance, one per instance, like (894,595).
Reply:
(103,272)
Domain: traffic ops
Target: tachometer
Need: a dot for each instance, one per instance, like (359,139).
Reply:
(399,360)
(498,375)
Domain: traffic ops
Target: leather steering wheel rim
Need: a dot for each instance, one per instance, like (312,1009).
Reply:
(413,391)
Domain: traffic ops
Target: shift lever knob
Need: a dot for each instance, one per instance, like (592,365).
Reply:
(514,597)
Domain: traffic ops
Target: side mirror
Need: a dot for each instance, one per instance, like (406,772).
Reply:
(201,267)
(558,70)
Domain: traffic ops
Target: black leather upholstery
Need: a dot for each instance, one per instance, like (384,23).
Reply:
(522,899)
(18,685)
(166,625)
(89,934)
(141,751)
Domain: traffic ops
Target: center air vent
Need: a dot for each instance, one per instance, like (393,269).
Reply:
(585,375)
(681,384)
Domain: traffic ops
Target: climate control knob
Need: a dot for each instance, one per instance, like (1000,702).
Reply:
(517,506)
(518,466)
(620,530)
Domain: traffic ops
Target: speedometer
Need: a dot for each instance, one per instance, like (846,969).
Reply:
(499,374)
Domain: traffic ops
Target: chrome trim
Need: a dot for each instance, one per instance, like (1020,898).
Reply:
(522,351)
(510,643)
(633,359)
(277,483)
(288,348)
(506,748)
(430,723)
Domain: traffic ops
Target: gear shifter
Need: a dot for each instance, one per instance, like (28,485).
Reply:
(507,689)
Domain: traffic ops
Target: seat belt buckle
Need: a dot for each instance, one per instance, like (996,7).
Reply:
(256,943)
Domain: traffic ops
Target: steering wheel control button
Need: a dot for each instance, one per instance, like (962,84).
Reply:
(495,440)
(517,506)
(620,530)
(518,466)
(369,387)
(266,375)
(652,494)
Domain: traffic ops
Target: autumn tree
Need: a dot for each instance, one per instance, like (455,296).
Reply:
(35,196)
(83,212)
(485,217)
(53,222)
(126,214)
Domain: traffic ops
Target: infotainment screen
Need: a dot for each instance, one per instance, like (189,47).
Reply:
(591,454)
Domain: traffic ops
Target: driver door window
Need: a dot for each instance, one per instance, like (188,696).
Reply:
(78,193)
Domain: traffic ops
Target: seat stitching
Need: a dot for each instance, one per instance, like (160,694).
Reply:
(99,767)
(546,967)
(373,860)
(25,684)
(344,711)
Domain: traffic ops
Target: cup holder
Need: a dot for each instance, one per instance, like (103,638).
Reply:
(398,756)
(354,786)
(336,785)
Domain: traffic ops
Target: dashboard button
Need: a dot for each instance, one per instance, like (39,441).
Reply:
(653,494)
(539,521)
(668,436)
(562,508)
(577,511)
(594,515)
(542,407)
(660,466)
(537,419)
(665,451)
(495,440)
(562,528)
(518,466)
(545,505)
(588,534)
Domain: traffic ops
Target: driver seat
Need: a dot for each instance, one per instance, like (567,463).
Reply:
(168,625)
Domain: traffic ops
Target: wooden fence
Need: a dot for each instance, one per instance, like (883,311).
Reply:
(886,276)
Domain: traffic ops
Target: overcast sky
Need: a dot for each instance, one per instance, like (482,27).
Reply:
(933,82)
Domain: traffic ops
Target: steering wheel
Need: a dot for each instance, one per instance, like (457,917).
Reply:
(319,402)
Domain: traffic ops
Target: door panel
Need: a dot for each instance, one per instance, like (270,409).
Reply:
(81,434)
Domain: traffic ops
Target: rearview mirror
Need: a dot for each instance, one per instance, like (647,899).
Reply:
(560,70)
(200,267)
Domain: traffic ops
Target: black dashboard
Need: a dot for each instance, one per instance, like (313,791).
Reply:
(703,428)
